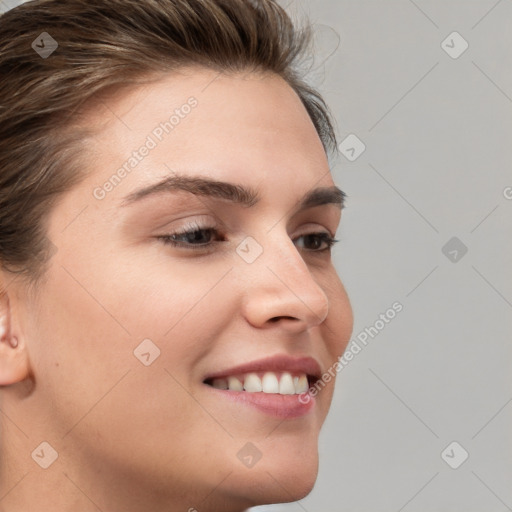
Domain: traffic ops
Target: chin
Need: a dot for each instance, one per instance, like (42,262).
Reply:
(293,485)
(282,479)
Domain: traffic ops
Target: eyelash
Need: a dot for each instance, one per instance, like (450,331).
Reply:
(193,228)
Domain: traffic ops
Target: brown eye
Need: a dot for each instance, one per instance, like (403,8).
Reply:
(318,240)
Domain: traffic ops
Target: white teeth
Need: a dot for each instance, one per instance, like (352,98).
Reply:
(302,385)
(286,386)
(234,384)
(283,384)
(252,383)
(270,383)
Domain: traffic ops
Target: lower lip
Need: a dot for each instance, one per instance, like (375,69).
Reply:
(272,404)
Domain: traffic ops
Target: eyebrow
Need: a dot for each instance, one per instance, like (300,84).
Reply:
(239,194)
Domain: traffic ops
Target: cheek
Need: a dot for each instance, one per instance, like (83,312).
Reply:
(96,325)
(176,305)
(82,350)
(336,332)
(77,349)
(340,320)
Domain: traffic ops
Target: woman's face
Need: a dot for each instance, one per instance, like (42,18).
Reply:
(127,328)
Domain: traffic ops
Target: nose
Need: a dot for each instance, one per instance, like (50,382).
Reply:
(283,289)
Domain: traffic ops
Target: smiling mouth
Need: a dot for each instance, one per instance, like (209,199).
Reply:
(282,383)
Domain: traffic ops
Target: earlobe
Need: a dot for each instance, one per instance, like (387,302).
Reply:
(14,365)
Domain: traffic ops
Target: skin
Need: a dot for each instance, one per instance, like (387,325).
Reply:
(131,437)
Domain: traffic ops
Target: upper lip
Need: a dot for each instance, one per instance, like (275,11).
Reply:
(277,363)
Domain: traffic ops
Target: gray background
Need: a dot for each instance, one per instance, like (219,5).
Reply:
(437,132)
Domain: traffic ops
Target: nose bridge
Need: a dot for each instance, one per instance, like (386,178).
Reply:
(283,285)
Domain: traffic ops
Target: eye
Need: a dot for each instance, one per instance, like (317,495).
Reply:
(196,237)
(319,239)
(193,236)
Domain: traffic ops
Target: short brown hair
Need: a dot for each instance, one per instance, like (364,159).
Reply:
(106,45)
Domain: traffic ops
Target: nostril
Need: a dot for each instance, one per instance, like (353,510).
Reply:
(276,318)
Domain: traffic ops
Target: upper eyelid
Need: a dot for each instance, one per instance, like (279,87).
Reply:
(216,218)
(220,228)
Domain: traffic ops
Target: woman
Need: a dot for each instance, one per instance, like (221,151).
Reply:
(168,300)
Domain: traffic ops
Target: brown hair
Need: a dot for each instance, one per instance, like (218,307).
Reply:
(106,45)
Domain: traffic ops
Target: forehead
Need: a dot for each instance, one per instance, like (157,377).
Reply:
(249,128)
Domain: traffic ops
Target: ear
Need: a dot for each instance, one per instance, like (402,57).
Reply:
(14,363)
